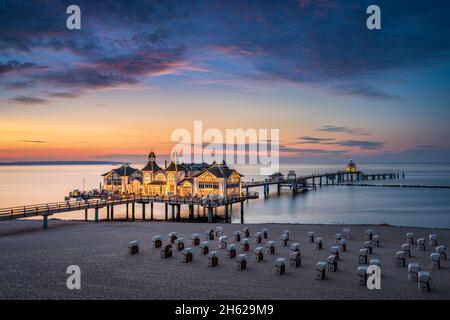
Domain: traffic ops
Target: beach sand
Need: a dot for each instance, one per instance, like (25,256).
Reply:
(34,262)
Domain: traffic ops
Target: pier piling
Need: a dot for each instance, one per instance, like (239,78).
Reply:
(45,221)
(96,214)
(143,211)
(210,215)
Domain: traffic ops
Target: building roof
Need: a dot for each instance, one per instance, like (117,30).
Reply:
(195,167)
(351,166)
(151,166)
(124,171)
(219,171)
(175,167)
(190,180)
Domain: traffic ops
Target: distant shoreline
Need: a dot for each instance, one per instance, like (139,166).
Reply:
(56,163)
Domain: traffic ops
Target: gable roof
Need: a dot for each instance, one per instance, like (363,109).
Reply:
(219,171)
(175,167)
(124,171)
(151,166)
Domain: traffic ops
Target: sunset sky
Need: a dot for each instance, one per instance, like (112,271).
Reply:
(140,69)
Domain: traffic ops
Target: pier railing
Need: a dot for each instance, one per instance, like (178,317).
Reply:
(73,205)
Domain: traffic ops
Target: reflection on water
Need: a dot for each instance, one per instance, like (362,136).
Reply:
(21,185)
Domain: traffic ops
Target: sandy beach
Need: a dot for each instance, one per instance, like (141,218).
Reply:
(34,262)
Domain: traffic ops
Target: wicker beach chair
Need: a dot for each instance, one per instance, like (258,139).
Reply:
(133,247)
(157,241)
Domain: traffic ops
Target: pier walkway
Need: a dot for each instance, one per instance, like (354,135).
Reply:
(48,209)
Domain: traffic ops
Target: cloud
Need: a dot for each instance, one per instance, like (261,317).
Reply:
(337,129)
(319,43)
(365,91)
(33,141)
(25,100)
(17,85)
(303,151)
(313,140)
(14,65)
(64,95)
(365,145)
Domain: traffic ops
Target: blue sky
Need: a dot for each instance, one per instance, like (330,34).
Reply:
(310,68)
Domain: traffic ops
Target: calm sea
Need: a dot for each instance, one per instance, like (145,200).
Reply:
(20,185)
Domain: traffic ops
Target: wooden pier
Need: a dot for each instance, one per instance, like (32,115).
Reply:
(175,203)
(209,204)
(312,181)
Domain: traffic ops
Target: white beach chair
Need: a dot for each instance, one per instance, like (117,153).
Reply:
(231,251)
(410,237)
(337,237)
(375,262)
(436,260)
(179,243)
(284,239)
(319,243)
(407,249)
(223,242)
(241,261)
(321,270)
(204,247)
(433,240)
(270,247)
(369,235)
(245,244)
(362,275)
(280,266)
(187,255)
(294,247)
(400,259)
(258,237)
(213,259)
(295,259)
(209,235)
(413,270)
(375,240)
(171,237)
(133,247)
(237,236)
(310,237)
(363,256)
(442,250)
(332,263)
(166,251)
(286,232)
(219,231)
(424,279)
(157,241)
(265,233)
(421,244)
(343,244)
(259,255)
(334,250)
(368,245)
(246,232)
(195,239)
